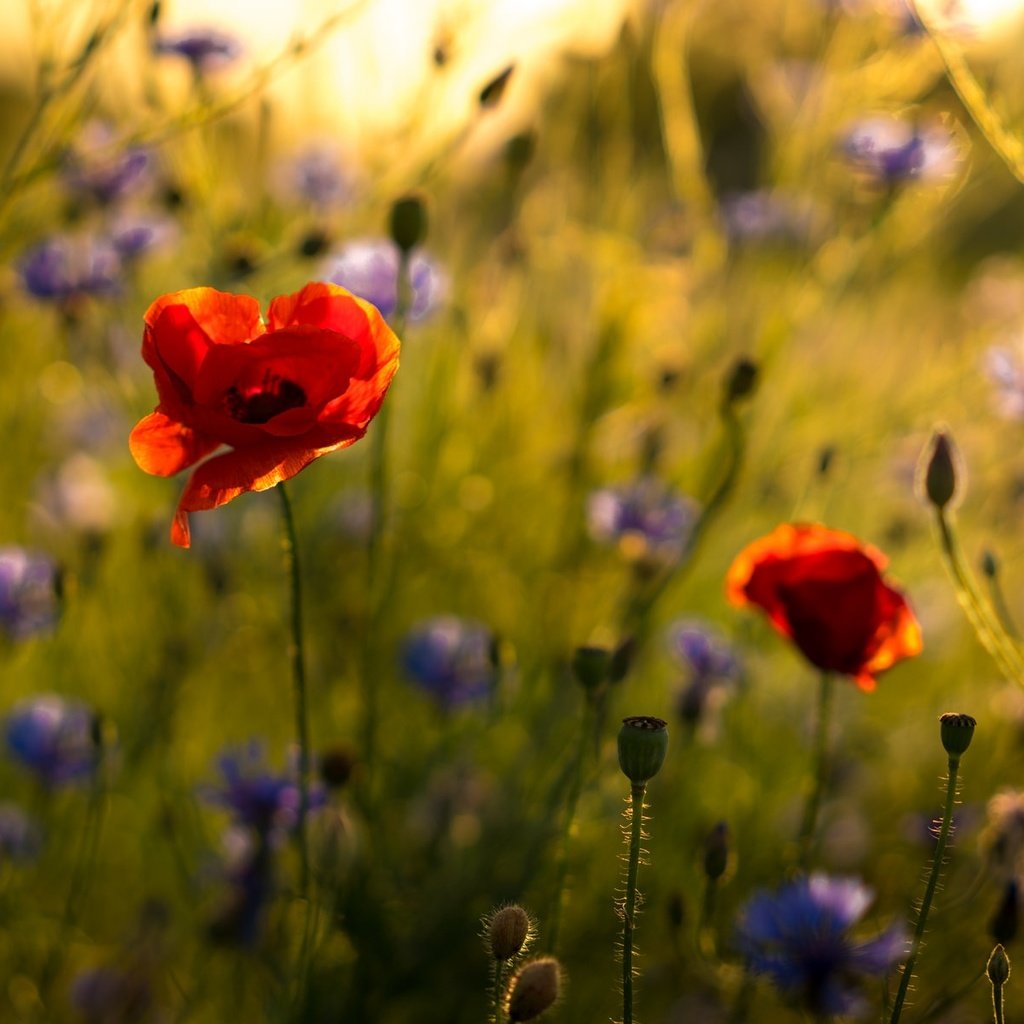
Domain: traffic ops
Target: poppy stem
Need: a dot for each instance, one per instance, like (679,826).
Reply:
(808,826)
(929,893)
(636,816)
(296,655)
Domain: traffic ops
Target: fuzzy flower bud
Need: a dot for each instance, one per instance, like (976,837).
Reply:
(643,741)
(998,969)
(940,470)
(716,852)
(740,380)
(956,732)
(508,932)
(534,989)
(408,223)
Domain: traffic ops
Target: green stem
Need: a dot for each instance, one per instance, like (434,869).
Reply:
(380,505)
(498,974)
(590,726)
(987,628)
(997,1004)
(296,655)
(808,826)
(929,893)
(636,815)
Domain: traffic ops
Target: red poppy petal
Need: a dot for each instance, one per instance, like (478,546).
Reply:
(163,446)
(323,305)
(226,319)
(224,477)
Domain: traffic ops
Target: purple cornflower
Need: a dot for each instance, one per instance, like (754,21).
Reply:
(250,886)
(452,659)
(799,938)
(256,797)
(133,234)
(57,739)
(19,837)
(206,49)
(1005,369)
(65,268)
(29,592)
(765,216)
(709,661)
(316,176)
(891,151)
(369,268)
(649,521)
(102,172)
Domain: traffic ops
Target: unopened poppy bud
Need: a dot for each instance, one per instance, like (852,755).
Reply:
(956,732)
(998,969)
(408,223)
(940,475)
(508,932)
(336,766)
(741,380)
(676,910)
(534,989)
(314,243)
(154,12)
(1005,921)
(590,667)
(622,659)
(491,93)
(643,741)
(716,852)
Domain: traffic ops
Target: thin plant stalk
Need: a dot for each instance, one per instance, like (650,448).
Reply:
(380,505)
(636,814)
(498,977)
(929,893)
(997,1004)
(809,824)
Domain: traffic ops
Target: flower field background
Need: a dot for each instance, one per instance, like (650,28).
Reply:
(745,265)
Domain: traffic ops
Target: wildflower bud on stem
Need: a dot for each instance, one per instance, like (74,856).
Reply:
(956,731)
(643,742)
(534,989)
(507,933)
(998,971)
(940,469)
(741,380)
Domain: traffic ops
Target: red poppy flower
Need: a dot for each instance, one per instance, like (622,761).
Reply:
(824,590)
(279,393)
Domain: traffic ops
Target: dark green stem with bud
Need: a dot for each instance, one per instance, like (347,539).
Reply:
(643,742)
(956,731)
(998,971)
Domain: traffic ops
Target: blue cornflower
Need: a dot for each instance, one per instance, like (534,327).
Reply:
(1005,368)
(891,151)
(133,234)
(101,172)
(709,661)
(249,877)
(649,521)
(55,738)
(799,938)
(452,659)
(258,798)
(65,268)
(766,216)
(369,268)
(30,587)
(19,836)
(206,49)
(316,176)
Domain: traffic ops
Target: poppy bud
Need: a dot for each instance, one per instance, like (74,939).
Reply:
(591,667)
(741,380)
(622,659)
(956,732)
(643,741)
(336,766)
(534,989)
(989,564)
(940,474)
(716,852)
(491,93)
(154,13)
(408,225)
(508,932)
(1006,921)
(998,969)
(314,243)
(676,910)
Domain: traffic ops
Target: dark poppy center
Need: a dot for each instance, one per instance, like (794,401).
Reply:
(271,397)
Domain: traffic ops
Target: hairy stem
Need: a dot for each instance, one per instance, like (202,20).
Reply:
(636,813)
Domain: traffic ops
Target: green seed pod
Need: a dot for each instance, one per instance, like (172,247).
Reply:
(716,852)
(534,989)
(507,932)
(956,732)
(408,222)
(998,969)
(591,667)
(643,741)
